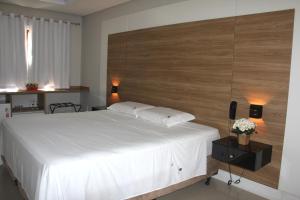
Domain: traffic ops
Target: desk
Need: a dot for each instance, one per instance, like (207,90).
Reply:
(41,104)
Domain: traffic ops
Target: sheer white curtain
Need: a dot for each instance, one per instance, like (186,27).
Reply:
(13,68)
(50,53)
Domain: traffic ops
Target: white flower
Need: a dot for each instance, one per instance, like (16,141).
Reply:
(244,125)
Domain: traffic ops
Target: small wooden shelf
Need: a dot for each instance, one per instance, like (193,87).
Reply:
(70,90)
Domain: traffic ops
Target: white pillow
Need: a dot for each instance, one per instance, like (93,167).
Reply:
(165,116)
(129,107)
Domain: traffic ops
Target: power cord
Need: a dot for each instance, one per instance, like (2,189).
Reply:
(230,181)
(237,181)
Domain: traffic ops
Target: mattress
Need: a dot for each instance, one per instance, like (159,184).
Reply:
(101,154)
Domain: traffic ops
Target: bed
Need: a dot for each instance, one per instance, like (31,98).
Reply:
(103,155)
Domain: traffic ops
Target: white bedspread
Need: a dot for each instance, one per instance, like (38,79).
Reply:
(101,155)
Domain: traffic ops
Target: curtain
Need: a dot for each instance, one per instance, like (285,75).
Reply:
(13,67)
(50,53)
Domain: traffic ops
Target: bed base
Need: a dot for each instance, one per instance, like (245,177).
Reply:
(212,169)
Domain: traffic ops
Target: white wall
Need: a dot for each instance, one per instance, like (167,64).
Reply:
(121,19)
(39,13)
(91,58)
(75,70)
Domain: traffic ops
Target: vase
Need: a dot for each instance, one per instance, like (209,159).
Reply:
(243,139)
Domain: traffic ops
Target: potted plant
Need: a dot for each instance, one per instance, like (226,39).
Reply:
(32,86)
(243,128)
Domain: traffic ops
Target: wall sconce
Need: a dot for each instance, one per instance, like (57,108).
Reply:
(255,111)
(114,89)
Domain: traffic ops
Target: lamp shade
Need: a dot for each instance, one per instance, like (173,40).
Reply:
(255,111)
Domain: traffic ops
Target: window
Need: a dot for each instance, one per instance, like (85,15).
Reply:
(38,51)
(28,47)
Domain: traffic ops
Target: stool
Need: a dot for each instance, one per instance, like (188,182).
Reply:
(54,106)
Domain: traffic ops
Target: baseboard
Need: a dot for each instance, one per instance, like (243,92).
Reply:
(251,186)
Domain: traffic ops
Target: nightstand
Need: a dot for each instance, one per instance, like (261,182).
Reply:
(95,108)
(252,157)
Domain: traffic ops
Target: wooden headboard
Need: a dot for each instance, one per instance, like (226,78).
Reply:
(199,67)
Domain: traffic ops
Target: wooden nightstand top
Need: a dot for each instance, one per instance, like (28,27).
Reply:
(231,141)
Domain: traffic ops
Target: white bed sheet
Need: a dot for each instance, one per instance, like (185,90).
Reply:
(101,154)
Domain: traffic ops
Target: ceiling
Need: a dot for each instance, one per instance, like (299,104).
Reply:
(77,7)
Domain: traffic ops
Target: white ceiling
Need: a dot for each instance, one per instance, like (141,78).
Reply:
(77,7)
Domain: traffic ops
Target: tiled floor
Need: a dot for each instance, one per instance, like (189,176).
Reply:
(215,191)
(8,189)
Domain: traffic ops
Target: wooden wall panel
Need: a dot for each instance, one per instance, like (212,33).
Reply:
(186,66)
(199,67)
(116,60)
(263,45)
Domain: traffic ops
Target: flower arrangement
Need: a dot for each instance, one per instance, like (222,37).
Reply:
(243,126)
(32,86)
